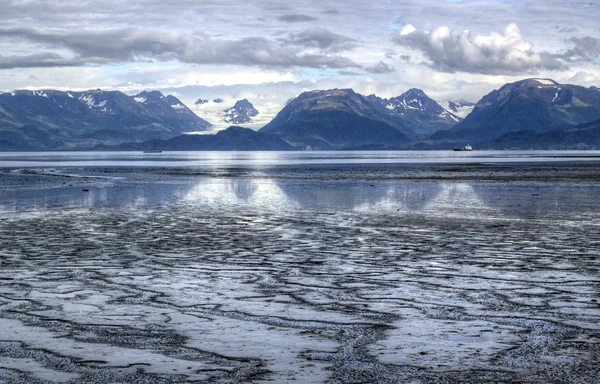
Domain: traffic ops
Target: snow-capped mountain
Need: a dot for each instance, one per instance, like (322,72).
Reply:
(418,112)
(242,112)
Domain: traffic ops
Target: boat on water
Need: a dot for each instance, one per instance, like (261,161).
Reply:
(465,148)
(153,151)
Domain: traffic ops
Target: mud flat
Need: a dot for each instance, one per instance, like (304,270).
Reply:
(468,273)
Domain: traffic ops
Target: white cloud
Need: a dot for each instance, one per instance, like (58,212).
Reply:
(508,52)
(408,28)
(585,79)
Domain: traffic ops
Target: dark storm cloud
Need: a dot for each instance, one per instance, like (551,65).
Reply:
(126,45)
(506,53)
(296,18)
(323,39)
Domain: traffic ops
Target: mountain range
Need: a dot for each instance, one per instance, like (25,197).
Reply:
(531,113)
(50,119)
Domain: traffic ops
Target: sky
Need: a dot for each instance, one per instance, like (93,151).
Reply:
(268,51)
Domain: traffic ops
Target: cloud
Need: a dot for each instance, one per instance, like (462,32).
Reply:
(584,78)
(323,39)
(331,12)
(296,18)
(130,45)
(568,30)
(38,60)
(581,49)
(506,53)
(380,68)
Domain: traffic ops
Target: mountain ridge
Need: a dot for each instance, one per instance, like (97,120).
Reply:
(68,119)
(530,104)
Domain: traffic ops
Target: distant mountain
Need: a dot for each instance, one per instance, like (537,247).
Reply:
(538,105)
(49,119)
(232,139)
(335,119)
(242,112)
(417,112)
(583,136)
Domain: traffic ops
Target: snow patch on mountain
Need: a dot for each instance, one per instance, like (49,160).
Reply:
(545,81)
(460,108)
(556,95)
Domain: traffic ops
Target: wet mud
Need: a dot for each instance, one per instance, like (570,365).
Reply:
(397,274)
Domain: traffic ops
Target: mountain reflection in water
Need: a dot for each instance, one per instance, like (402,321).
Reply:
(265,193)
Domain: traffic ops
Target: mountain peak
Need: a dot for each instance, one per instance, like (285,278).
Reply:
(414,92)
(244,103)
(538,81)
(242,112)
(151,94)
(534,104)
(335,92)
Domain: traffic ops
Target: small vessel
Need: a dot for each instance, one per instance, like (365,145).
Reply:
(465,148)
(153,151)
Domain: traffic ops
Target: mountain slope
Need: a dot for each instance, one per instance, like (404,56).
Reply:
(584,136)
(232,139)
(460,108)
(36,120)
(540,105)
(334,119)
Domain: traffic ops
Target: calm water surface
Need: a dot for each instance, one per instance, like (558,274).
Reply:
(254,158)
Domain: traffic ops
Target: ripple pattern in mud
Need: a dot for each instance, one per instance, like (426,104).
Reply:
(231,293)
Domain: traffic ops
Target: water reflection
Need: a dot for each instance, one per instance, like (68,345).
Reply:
(539,200)
(257,158)
(127,195)
(267,193)
(256,193)
(360,195)
(459,197)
